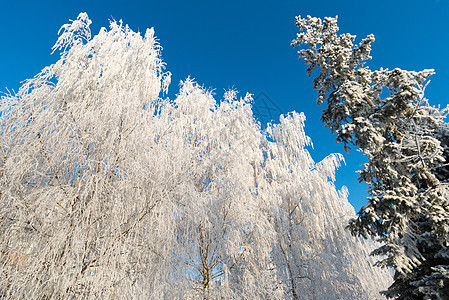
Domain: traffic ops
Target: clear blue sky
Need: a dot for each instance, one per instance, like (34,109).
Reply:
(245,45)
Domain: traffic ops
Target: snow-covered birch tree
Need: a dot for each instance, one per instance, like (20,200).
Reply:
(108,190)
(386,115)
(315,256)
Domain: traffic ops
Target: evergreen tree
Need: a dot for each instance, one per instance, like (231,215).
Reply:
(386,115)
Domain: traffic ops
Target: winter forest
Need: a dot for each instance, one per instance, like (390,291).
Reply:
(112,190)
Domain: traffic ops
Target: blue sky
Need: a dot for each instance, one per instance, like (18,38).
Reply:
(244,45)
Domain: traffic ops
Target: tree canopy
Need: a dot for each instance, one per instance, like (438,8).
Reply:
(110,190)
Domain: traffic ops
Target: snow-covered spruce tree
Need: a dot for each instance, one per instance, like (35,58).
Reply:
(386,115)
(110,191)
